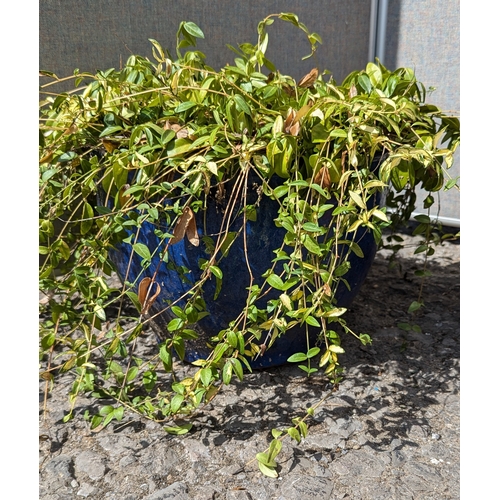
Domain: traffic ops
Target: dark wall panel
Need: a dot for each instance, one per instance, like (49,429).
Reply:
(99,34)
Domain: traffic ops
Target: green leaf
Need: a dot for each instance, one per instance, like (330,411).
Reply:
(193,29)
(357,199)
(160,56)
(48,174)
(276,433)
(70,155)
(285,300)
(297,357)
(380,215)
(110,130)
(338,132)
(415,306)
(267,471)
(142,250)
(275,281)
(311,245)
(242,105)
(87,218)
(335,312)
(149,379)
(179,430)
(425,219)
(166,357)
(264,458)
(294,434)
(280,191)
(99,312)
(274,449)
(237,367)
(227,372)
(313,351)
(184,106)
(312,228)
(374,72)
(179,346)
(365,83)
(118,413)
(303,428)
(132,373)
(175,324)
(232,339)
(216,271)
(106,410)
(176,403)
(48,340)
(423,272)
(404,326)
(449,184)
(311,320)
(342,269)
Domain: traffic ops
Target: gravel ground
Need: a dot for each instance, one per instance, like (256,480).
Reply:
(390,431)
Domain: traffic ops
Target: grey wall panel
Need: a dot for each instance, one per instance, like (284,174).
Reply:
(99,34)
(425,35)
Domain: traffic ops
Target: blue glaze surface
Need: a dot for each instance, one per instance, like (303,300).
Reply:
(262,238)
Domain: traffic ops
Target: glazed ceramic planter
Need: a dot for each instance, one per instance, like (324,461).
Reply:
(262,238)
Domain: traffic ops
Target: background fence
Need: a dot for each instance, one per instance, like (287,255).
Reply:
(424,34)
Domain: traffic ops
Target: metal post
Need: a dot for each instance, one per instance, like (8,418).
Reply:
(378,28)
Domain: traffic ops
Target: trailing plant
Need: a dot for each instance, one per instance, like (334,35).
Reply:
(152,143)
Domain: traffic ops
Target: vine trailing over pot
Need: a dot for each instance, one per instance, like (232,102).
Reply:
(174,152)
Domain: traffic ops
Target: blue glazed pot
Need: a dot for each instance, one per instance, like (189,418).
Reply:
(262,238)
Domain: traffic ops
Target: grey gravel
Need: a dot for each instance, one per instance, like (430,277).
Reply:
(391,431)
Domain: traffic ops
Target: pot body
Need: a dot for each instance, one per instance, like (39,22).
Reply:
(262,238)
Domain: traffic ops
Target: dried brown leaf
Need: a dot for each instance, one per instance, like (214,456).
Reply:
(180,132)
(290,122)
(123,198)
(145,294)
(186,226)
(309,79)
(352,91)
(71,130)
(192,233)
(47,158)
(322,178)
(294,129)
(289,90)
(290,117)
(109,145)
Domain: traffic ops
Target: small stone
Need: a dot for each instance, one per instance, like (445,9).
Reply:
(91,464)
(238,495)
(398,458)
(127,460)
(176,491)
(60,466)
(86,490)
(308,488)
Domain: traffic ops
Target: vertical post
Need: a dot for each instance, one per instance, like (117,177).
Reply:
(373,30)
(378,27)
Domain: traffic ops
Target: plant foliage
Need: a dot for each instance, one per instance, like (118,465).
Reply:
(150,143)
